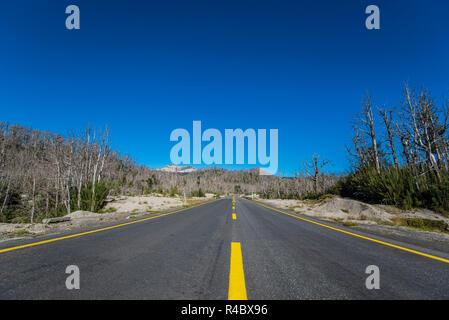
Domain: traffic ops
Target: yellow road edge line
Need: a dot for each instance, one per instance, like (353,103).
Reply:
(234,216)
(359,236)
(96,230)
(237,288)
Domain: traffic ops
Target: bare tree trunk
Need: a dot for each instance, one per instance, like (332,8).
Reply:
(47,201)
(79,190)
(405,150)
(365,124)
(92,204)
(57,190)
(68,200)
(5,200)
(313,169)
(387,118)
(368,109)
(34,200)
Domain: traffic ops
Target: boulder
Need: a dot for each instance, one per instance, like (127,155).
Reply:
(82,214)
(56,220)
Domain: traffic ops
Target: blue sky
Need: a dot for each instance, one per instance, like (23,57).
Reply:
(145,68)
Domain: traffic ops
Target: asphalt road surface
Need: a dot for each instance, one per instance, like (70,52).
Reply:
(213,251)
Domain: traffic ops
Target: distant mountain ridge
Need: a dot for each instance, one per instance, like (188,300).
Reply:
(263,172)
(188,169)
(178,169)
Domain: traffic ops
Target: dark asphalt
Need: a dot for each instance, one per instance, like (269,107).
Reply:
(186,255)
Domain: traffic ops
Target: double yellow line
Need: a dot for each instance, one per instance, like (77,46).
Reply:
(98,230)
(358,235)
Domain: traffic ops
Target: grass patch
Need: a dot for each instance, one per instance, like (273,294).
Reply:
(345,223)
(109,210)
(327,196)
(313,202)
(423,224)
(153,211)
(350,224)
(19,233)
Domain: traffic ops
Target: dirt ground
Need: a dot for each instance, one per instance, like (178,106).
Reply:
(377,219)
(343,209)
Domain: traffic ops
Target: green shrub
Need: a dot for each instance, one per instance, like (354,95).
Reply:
(173,191)
(14,208)
(426,224)
(198,193)
(402,187)
(109,210)
(101,192)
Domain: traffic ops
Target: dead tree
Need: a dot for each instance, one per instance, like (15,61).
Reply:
(421,123)
(313,169)
(102,149)
(387,118)
(365,123)
(358,154)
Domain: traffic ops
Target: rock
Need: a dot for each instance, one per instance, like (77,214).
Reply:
(56,220)
(82,214)
(353,209)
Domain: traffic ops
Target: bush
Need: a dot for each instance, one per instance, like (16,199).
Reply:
(426,224)
(109,210)
(198,193)
(13,208)
(101,192)
(173,191)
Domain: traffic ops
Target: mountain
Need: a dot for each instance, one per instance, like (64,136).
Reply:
(189,169)
(178,169)
(264,172)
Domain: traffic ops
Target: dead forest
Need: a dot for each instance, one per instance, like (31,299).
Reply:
(43,175)
(399,156)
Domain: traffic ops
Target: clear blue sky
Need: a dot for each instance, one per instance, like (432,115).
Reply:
(145,68)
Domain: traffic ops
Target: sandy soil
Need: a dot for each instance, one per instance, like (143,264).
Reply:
(146,203)
(352,210)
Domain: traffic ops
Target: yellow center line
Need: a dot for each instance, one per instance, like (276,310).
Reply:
(96,230)
(359,236)
(234,216)
(237,288)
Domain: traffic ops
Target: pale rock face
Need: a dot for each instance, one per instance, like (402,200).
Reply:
(264,172)
(178,169)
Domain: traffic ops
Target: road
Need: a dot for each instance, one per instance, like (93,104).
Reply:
(188,255)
